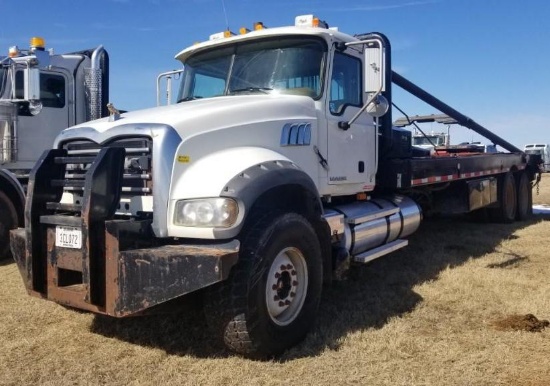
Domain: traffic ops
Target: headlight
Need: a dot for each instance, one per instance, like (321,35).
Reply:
(208,212)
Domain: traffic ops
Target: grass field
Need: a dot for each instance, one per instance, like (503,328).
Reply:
(431,314)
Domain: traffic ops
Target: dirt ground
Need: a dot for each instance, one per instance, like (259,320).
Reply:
(464,304)
(528,323)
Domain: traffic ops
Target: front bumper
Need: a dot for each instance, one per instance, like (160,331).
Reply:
(118,281)
(117,267)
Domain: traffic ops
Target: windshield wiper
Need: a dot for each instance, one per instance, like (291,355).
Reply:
(264,90)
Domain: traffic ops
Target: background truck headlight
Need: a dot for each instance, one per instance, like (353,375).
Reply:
(208,212)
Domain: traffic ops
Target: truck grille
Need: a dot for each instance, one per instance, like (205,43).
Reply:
(137,175)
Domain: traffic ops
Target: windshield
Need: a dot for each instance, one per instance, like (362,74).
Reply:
(435,140)
(289,65)
(535,151)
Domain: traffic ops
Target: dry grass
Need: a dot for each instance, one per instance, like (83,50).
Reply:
(422,316)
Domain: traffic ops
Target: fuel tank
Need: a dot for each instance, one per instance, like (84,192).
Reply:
(365,225)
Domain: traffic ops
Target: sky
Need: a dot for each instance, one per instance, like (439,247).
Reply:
(488,59)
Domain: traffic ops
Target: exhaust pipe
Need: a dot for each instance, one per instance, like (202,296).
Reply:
(8,132)
(96,79)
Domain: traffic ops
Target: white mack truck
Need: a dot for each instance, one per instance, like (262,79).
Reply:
(277,171)
(41,93)
(542,149)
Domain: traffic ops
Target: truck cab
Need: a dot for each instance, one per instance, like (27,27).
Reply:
(41,93)
(541,149)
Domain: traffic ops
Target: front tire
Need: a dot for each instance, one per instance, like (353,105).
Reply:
(8,221)
(270,300)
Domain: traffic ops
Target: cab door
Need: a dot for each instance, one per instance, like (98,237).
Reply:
(351,151)
(36,133)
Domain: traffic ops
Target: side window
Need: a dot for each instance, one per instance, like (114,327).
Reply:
(345,86)
(52,89)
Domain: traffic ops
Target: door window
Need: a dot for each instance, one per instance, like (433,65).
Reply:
(345,88)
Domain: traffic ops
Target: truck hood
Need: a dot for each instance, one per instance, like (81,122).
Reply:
(198,116)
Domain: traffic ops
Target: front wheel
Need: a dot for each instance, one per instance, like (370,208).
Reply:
(270,299)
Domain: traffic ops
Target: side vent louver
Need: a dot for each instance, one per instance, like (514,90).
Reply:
(296,134)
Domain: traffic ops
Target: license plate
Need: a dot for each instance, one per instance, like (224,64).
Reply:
(68,237)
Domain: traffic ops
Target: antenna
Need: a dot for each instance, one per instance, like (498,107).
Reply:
(225,14)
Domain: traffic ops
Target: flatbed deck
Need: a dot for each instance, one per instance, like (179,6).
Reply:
(418,171)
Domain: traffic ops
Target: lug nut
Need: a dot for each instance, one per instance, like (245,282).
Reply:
(283,267)
(287,302)
(289,266)
(274,287)
(277,275)
(292,294)
(293,273)
(281,304)
(275,298)
(294,283)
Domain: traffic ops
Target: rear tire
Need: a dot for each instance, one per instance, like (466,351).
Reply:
(507,197)
(270,300)
(525,197)
(8,221)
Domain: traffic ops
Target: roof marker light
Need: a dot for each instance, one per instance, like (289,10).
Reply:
(315,22)
(244,30)
(13,51)
(259,25)
(37,43)
(221,35)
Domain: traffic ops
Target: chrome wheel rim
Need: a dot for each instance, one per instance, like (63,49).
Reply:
(286,286)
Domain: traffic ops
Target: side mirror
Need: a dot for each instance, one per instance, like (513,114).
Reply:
(378,107)
(375,62)
(31,87)
(31,76)
(374,66)
(375,77)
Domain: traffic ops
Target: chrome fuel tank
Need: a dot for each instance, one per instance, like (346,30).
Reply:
(370,224)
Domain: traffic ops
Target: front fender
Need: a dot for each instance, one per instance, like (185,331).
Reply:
(256,180)
(242,173)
